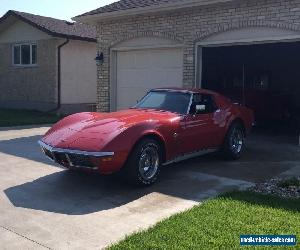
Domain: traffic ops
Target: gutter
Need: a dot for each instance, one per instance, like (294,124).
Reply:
(59,75)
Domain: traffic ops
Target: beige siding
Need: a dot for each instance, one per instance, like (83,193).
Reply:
(22,32)
(79,73)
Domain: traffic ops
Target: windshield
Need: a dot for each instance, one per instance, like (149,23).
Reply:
(176,102)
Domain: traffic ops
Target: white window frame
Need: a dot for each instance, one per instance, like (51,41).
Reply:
(20,64)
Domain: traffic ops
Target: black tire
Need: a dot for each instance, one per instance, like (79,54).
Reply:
(233,145)
(146,154)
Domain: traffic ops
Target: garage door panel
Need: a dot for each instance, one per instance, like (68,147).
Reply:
(169,78)
(136,79)
(165,78)
(150,60)
(143,60)
(171,60)
(142,70)
(126,61)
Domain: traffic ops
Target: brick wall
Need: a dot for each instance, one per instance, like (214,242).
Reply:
(190,26)
(29,87)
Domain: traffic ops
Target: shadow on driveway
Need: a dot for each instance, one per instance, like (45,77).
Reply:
(25,147)
(77,193)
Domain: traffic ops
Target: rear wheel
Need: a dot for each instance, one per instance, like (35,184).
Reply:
(143,165)
(234,142)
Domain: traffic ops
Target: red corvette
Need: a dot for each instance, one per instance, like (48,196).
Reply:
(166,126)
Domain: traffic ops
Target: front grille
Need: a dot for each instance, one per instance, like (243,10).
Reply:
(61,158)
(73,158)
(81,160)
(48,153)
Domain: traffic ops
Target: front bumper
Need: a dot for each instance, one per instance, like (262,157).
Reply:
(75,158)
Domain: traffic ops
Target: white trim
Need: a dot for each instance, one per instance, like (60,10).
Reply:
(20,64)
(147,10)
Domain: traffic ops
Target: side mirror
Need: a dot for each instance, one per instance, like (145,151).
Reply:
(200,108)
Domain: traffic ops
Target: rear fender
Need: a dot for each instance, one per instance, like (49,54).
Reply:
(242,114)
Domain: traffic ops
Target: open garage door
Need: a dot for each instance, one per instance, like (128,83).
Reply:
(265,77)
(138,71)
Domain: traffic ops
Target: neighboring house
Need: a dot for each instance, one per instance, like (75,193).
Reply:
(46,64)
(225,45)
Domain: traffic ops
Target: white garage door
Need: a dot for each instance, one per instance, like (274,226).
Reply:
(138,71)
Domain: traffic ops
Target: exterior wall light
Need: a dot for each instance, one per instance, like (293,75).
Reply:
(99,59)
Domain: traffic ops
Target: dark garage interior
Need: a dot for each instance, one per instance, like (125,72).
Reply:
(264,77)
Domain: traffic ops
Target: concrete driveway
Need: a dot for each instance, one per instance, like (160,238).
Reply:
(44,206)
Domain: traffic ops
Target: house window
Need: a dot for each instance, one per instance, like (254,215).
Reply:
(24,54)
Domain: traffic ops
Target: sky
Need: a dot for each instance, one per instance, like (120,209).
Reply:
(61,9)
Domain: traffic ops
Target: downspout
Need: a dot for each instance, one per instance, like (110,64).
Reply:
(59,75)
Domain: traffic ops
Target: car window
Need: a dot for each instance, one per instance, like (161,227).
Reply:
(205,102)
(153,100)
(177,102)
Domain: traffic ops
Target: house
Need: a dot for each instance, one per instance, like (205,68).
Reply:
(245,48)
(46,64)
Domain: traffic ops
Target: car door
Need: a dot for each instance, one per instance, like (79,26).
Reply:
(199,131)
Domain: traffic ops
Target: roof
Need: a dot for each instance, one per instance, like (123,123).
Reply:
(131,7)
(55,27)
(128,4)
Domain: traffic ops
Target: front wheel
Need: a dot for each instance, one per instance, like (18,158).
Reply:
(234,142)
(143,165)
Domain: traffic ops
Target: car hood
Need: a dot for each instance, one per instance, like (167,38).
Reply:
(91,131)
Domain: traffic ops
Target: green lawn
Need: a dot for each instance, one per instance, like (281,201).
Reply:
(218,224)
(24,117)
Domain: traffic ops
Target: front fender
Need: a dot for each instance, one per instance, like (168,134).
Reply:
(125,141)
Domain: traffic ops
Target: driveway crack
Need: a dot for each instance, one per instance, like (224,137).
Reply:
(12,231)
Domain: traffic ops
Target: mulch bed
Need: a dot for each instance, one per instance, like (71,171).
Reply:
(285,188)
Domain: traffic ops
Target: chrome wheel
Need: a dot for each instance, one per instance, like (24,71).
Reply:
(149,161)
(236,140)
